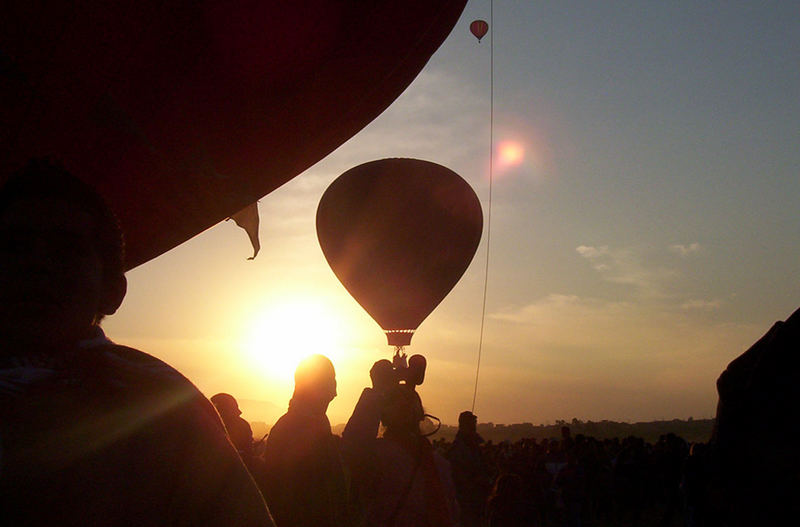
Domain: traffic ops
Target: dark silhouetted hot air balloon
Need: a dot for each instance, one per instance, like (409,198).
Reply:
(479,28)
(399,234)
(183,113)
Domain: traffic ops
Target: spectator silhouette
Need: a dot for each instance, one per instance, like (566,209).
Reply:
(695,483)
(239,431)
(470,473)
(401,480)
(94,433)
(567,443)
(506,504)
(306,483)
(571,481)
(756,431)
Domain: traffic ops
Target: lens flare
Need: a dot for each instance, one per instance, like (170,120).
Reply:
(510,154)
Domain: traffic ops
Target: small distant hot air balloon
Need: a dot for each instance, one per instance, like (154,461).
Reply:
(479,28)
(399,234)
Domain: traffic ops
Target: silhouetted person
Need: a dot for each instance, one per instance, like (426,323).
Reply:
(239,431)
(94,433)
(567,443)
(470,474)
(755,440)
(571,481)
(306,483)
(695,483)
(401,480)
(506,505)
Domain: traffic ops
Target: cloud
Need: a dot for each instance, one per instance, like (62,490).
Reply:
(590,252)
(535,312)
(685,250)
(625,266)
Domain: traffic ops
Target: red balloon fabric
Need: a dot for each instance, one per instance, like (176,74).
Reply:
(479,28)
(182,112)
(399,234)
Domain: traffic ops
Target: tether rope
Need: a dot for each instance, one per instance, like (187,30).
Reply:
(489,205)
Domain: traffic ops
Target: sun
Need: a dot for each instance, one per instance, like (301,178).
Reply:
(284,333)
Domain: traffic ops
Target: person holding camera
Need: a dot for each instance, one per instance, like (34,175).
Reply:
(399,478)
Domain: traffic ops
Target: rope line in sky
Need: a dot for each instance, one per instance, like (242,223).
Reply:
(489,205)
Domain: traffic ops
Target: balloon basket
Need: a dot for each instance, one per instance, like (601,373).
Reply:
(399,337)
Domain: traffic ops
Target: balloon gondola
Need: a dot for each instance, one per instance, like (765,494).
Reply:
(399,234)
(183,113)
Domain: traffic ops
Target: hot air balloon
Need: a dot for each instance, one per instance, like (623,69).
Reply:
(479,28)
(399,234)
(183,113)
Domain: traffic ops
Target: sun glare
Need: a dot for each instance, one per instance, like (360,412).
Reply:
(284,333)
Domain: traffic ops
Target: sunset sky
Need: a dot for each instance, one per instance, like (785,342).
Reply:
(645,223)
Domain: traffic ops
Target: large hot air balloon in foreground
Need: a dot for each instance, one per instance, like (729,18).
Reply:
(183,113)
(399,234)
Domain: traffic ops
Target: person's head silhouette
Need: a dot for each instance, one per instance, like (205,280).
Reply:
(467,422)
(226,405)
(314,383)
(61,258)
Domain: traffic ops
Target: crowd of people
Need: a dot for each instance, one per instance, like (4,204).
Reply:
(566,481)
(576,481)
(96,433)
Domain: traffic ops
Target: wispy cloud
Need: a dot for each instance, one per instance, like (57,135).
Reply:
(537,311)
(625,266)
(588,251)
(685,250)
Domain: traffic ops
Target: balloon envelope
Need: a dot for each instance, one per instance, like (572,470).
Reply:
(399,234)
(479,28)
(183,113)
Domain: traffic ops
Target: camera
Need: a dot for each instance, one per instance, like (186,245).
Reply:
(400,370)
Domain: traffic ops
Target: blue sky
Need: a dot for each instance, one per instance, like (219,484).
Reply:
(648,237)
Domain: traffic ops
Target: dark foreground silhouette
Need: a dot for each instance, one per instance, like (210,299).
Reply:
(757,430)
(94,433)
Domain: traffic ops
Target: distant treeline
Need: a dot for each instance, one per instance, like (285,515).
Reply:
(693,430)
